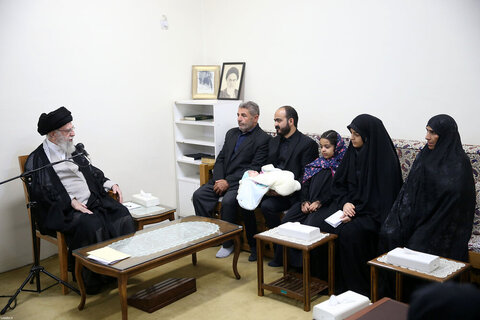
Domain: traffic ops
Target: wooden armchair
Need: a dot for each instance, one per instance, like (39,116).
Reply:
(59,240)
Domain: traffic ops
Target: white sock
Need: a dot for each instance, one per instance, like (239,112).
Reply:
(224,252)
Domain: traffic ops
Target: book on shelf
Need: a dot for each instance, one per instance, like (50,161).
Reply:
(197,117)
(200,155)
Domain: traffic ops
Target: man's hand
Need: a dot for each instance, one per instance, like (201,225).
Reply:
(220,186)
(77,205)
(116,190)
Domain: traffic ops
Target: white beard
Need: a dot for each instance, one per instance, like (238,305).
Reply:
(64,144)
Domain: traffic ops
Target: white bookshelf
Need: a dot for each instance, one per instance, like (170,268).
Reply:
(202,136)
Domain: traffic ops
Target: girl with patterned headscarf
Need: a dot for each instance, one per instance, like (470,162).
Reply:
(316,186)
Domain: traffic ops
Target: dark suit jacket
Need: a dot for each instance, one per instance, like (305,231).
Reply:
(251,155)
(301,151)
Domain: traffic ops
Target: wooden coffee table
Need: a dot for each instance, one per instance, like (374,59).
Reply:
(384,308)
(135,265)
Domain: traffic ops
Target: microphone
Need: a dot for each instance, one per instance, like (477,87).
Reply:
(80,148)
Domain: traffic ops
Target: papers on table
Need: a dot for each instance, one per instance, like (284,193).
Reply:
(334,219)
(107,255)
(131,205)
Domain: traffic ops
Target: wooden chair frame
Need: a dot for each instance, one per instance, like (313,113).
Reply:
(59,241)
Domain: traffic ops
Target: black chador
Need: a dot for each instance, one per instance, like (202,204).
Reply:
(434,210)
(369,177)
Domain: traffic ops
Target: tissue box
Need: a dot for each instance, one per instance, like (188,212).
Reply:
(299,231)
(413,259)
(146,200)
(340,307)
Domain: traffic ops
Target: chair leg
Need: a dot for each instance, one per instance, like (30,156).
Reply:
(63,259)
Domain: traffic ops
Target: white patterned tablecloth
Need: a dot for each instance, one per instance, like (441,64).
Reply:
(275,234)
(444,269)
(164,238)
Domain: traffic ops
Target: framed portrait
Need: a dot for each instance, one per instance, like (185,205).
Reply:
(231,80)
(205,82)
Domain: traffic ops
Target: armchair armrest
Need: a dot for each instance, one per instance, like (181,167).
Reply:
(205,173)
(113,195)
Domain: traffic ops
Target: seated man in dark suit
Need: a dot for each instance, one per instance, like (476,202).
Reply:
(71,196)
(245,148)
(290,150)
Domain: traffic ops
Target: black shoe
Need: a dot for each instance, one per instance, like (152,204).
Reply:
(253,254)
(274,264)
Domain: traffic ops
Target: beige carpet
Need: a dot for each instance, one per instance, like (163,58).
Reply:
(219,295)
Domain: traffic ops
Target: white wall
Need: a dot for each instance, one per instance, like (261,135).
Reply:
(110,63)
(403,61)
(119,73)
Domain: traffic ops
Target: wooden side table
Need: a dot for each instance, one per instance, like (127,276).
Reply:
(400,272)
(300,287)
(148,215)
(384,308)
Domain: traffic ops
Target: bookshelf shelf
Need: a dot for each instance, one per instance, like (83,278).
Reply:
(198,136)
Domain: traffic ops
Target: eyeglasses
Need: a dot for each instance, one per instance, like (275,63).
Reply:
(67,130)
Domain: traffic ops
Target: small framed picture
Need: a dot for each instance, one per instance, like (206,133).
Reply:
(205,82)
(231,80)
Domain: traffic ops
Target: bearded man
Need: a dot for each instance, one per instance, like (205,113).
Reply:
(290,150)
(71,196)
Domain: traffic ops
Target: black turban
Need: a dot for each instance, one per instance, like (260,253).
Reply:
(53,120)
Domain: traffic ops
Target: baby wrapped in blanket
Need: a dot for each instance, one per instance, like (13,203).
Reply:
(254,185)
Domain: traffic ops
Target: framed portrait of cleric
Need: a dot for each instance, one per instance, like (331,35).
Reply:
(231,80)
(205,82)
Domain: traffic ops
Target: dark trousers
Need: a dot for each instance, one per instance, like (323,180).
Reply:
(205,199)
(272,208)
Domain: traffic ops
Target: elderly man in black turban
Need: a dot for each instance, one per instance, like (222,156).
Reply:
(71,196)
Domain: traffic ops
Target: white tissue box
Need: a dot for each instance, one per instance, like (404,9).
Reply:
(146,200)
(299,231)
(340,307)
(413,259)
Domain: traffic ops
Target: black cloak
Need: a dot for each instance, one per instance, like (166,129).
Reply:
(370,178)
(434,210)
(53,210)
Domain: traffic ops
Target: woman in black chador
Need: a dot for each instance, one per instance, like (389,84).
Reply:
(434,210)
(364,187)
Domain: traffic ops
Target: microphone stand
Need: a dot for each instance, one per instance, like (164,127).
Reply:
(36,268)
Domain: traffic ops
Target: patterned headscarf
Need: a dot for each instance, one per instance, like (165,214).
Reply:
(321,163)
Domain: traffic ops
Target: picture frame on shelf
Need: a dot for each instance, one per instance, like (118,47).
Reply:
(205,82)
(231,80)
